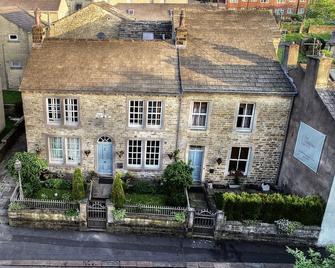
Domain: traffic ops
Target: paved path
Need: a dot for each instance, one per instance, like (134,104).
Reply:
(7,184)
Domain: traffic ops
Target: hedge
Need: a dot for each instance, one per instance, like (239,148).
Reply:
(271,207)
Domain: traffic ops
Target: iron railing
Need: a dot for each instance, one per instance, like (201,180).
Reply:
(31,203)
(147,210)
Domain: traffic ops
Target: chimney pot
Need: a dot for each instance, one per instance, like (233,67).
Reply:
(181,32)
(182,18)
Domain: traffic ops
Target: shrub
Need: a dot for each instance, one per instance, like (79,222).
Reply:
(32,168)
(78,188)
(143,187)
(118,196)
(180,217)
(286,227)
(16,206)
(60,184)
(119,214)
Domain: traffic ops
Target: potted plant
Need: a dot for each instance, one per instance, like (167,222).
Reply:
(236,180)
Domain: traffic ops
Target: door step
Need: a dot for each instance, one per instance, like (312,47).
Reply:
(106,180)
(202,236)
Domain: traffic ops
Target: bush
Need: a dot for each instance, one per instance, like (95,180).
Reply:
(180,217)
(71,213)
(119,214)
(78,188)
(143,187)
(118,196)
(60,184)
(32,168)
(16,206)
(271,207)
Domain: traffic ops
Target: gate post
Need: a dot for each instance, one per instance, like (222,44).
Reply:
(110,208)
(219,223)
(83,215)
(190,212)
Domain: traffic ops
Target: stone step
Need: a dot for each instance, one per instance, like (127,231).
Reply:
(202,236)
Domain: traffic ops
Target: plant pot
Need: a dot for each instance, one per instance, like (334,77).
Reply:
(234,186)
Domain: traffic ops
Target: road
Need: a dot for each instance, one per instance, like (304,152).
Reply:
(33,244)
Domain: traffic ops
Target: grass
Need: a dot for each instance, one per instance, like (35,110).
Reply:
(11,97)
(8,127)
(146,199)
(46,193)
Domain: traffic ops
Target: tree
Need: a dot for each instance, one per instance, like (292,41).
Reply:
(321,12)
(32,167)
(118,196)
(313,259)
(78,189)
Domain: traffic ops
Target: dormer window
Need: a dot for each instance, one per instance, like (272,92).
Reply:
(13,37)
(130,11)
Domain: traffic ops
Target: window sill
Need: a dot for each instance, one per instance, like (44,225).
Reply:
(198,128)
(52,164)
(13,41)
(241,130)
(16,68)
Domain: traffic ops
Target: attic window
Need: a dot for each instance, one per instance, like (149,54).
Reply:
(13,37)
(130,11)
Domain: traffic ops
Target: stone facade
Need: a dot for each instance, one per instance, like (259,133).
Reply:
(135,29)
(13,51)
(265,140)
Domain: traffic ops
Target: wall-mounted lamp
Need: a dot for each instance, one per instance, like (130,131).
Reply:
(219,161)
(120,153)
(87,152)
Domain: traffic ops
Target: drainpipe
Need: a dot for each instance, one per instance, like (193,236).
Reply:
(180,97)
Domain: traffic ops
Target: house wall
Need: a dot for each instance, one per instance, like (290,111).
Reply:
(265,140)
(9,51)
(91,129)
(295,177)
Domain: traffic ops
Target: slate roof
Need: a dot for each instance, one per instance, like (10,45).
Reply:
(106,66)
(30,5)
(328,97)
(231,52)
(18,16)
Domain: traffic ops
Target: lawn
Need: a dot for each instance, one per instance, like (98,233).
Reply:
(146,199)
(11,97)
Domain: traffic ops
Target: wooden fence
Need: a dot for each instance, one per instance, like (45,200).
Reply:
(146,210)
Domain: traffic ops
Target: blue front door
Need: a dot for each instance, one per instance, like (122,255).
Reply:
(196,156)
(105,158)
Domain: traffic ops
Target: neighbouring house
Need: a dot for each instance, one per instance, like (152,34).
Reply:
(216,92)
(309,156)
(51,10)
(16,42)
(279,7)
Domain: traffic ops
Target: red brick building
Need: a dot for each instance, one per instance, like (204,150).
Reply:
(279,7)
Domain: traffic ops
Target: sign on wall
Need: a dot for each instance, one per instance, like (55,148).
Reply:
(308,147)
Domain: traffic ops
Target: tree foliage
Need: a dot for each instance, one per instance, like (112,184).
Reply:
(32,167)
(78,189)
(321,11)
(118,196)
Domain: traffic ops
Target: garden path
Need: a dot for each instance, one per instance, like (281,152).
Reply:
(7,183)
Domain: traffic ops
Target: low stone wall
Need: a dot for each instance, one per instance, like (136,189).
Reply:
(316,29)
(146,225)
(267,232)
(42,218)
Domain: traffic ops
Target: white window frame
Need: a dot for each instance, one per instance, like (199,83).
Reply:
(16,39)
(141,153)
(143,109)
(56,160)
(76,151)
(252,116)
(238,160)
(301,10)
(280,1)
(69,111)
(159,155)
(199,114)
(54,111)
(160,114)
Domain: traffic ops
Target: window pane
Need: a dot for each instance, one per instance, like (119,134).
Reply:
(244,153)
(235,153)
(250,109)
(239,121)
(196,107)
(232,165)
(204,107)
(241,109)
(242,166)
(247,122)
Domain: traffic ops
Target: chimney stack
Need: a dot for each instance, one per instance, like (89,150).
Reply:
(181,31)
(38,30)
(290,58)
(319,67)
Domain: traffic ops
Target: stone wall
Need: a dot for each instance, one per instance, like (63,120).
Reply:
(307,235)
(316,29)
(39,218)
(12,51)
(135,29)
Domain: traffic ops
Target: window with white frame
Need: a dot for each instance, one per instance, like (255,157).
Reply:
(264,1)
(71,113)
(56,150)
(245,116)
(152,154)
(73,151)
(13,37)
(239,159)
(289,11)
(15,64)
(301,11)
(280,1)
(136,109)
(54,110)
(154,113)
(199,115)
(134,153)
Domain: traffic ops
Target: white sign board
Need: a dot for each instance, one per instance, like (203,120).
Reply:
(308,146)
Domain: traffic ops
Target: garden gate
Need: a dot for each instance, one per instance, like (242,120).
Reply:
(204,222)
(96,214)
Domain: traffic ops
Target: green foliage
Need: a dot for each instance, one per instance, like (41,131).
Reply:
(118,195)
(143,187)
(71,213)
(78,188)
(119,214)
(271,207)
(286,227)
(59,184)
(313,259)
(177,176)
(32,167)
(11,96)
(322,10)
(53,194)
(16,206)
(327,53)
(180,217)
(146,199)
(294,37)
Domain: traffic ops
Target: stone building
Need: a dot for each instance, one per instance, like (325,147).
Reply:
(216,92)
(15,42)
(308,160)
(2,111)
